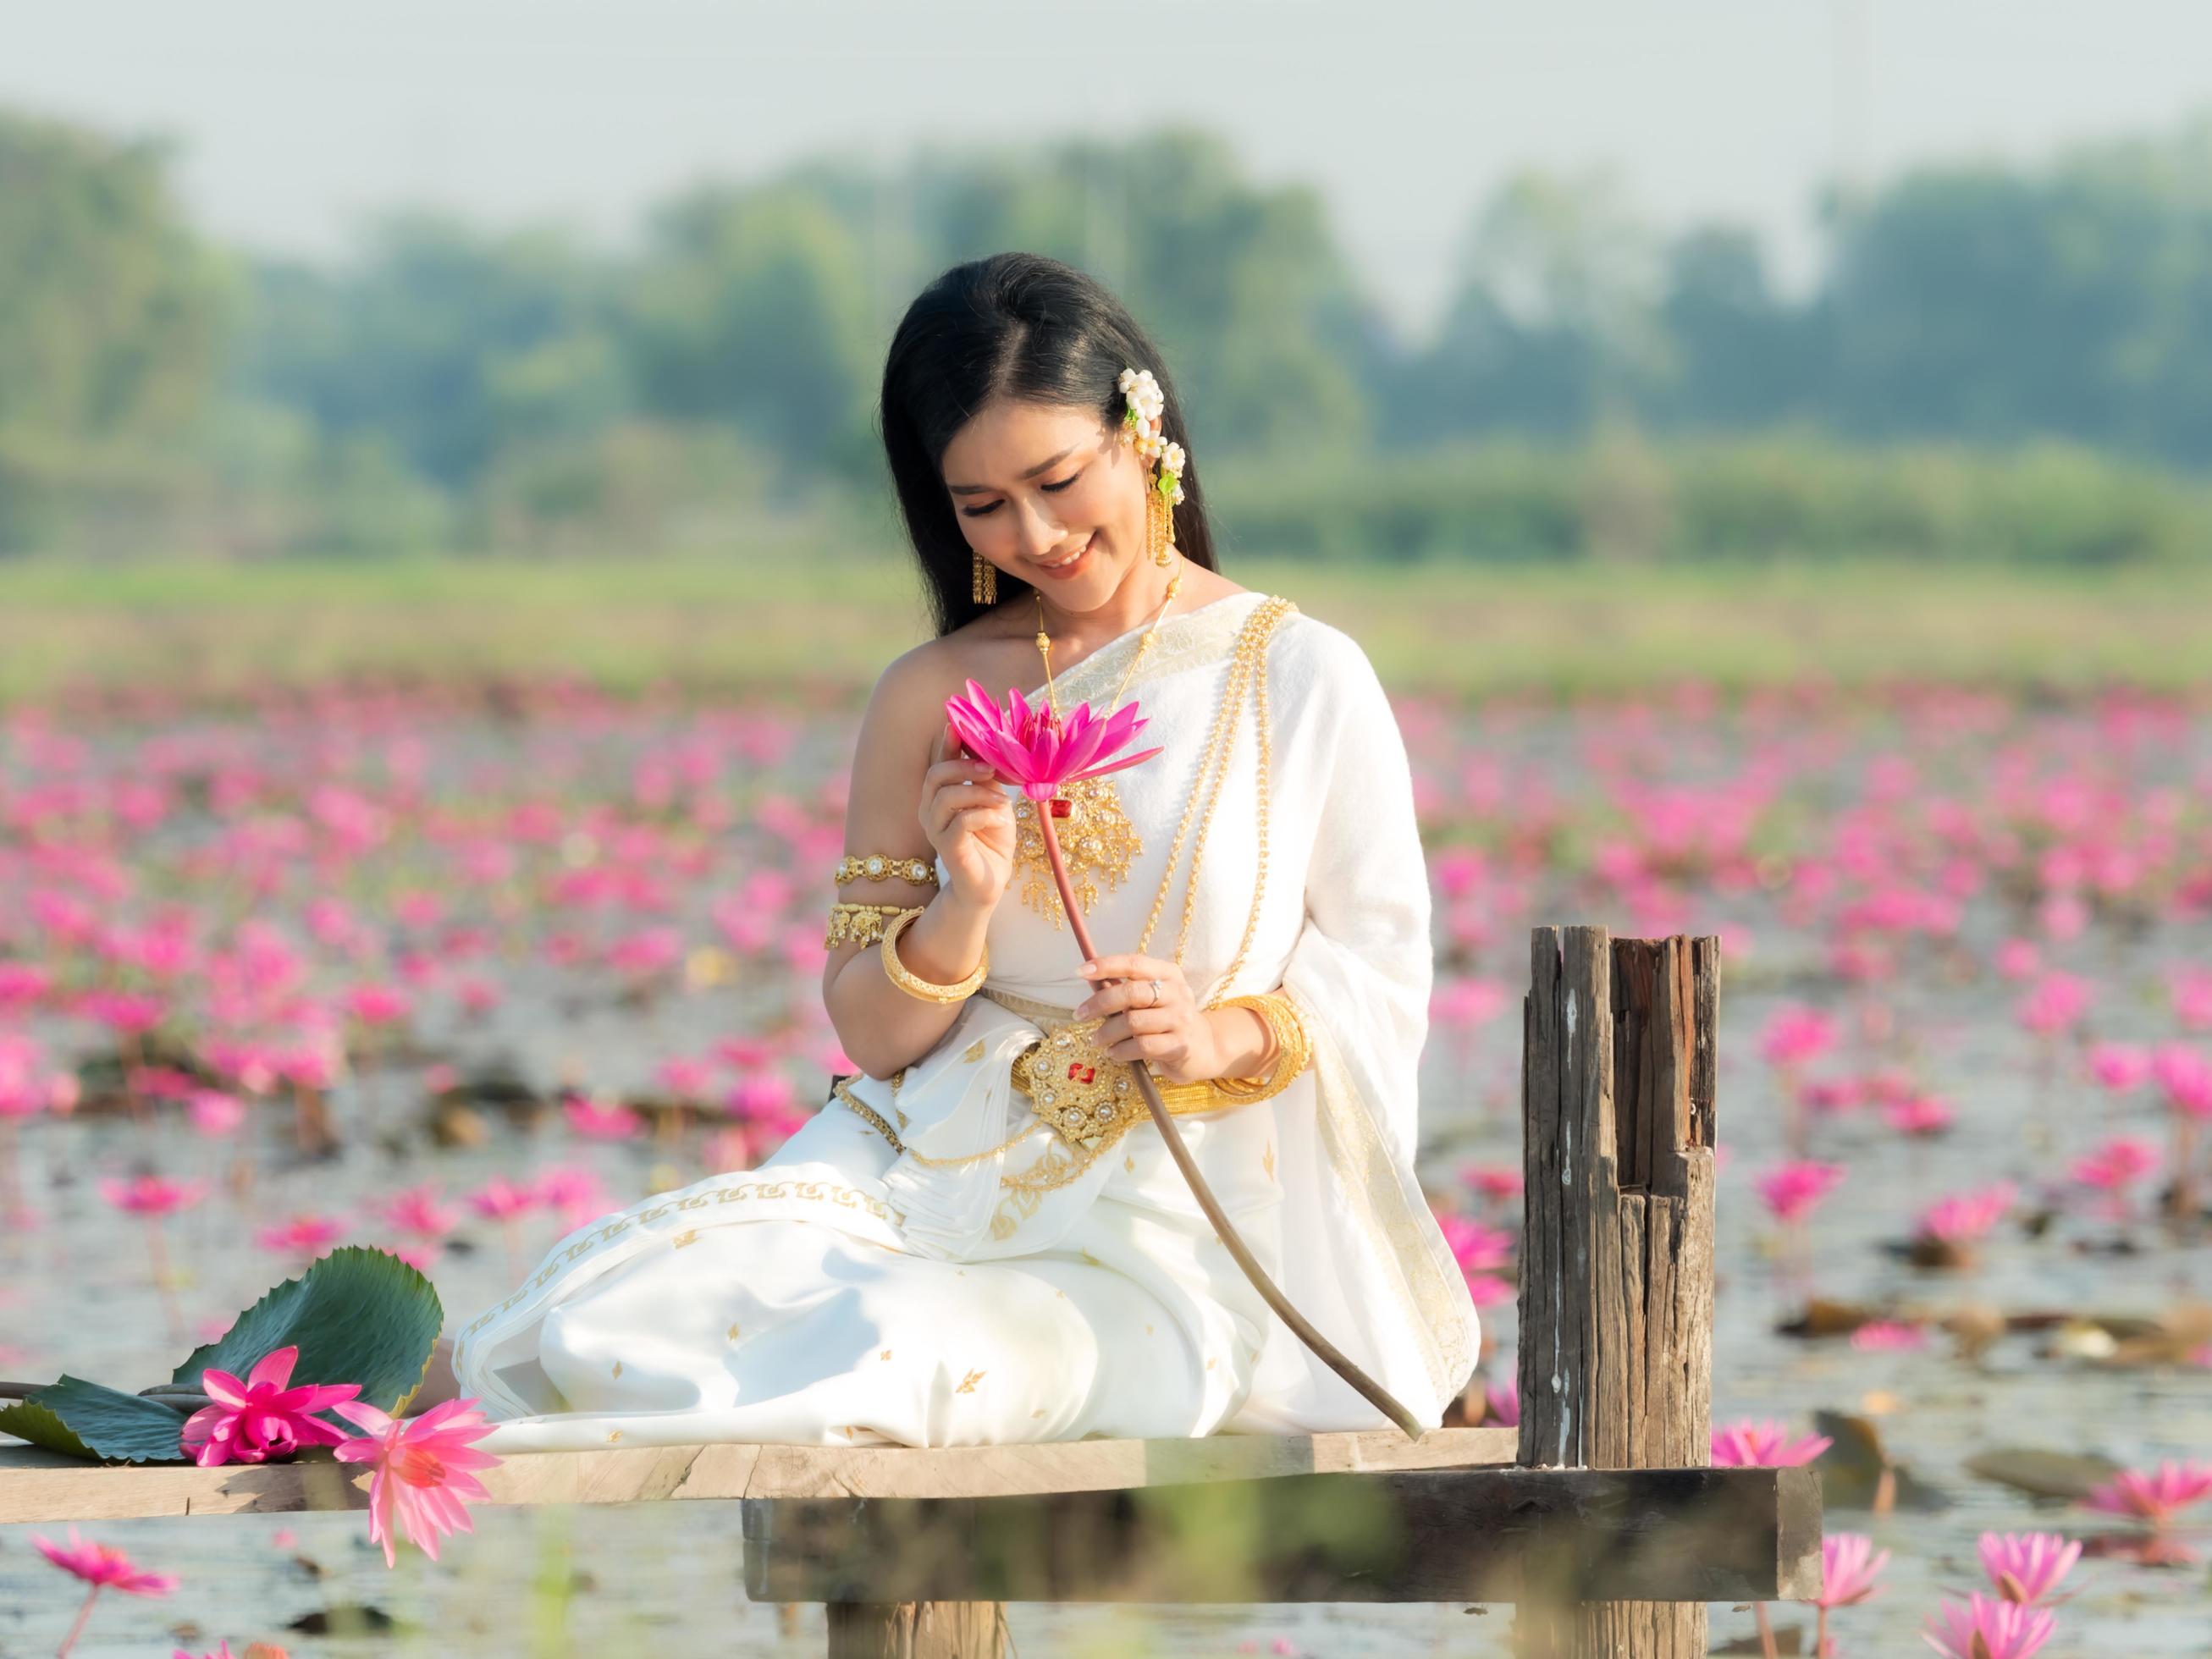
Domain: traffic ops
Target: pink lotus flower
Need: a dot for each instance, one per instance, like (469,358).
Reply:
(2115,1163)
(417,1210)
(377,1005)
(302,1235)
(1965,1216)
(1792,1189)
(2054,1002)
(216,1111)
(597,1120)
(261,1418)
(102,1568)
(152,1195)
(1501,1403)
(500,1200)
(2026,1566)
(760,1096)
(1475,1247)
(2191,990)
(1882,1335)
(687,1078)
(2153,1497)
(2185,1076)
(2119,1066)
(572,1192)
(1795,1034)
(420,1468)
(1984,1629)
(1763,1444)
(1496,1182)
(1033,748)
(1917,1115)
(1849,1562)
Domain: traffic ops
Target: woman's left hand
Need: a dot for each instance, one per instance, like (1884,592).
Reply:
(1173,1034)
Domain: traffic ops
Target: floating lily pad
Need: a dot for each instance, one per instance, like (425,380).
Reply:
(2043,1473)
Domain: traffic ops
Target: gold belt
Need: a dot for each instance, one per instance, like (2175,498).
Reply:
(1079,1089)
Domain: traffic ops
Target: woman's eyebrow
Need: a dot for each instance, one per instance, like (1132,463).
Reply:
(978,490)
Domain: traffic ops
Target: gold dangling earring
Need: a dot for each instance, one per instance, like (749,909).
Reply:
(1163,521)
(982,579)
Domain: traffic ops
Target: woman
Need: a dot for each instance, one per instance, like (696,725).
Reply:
(955,1251)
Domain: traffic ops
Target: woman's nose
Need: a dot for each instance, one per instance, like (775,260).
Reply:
(1039,534)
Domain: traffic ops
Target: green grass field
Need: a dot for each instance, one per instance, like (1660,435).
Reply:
(206,631)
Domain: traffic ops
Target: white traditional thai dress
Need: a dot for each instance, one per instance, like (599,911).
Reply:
(843,1293)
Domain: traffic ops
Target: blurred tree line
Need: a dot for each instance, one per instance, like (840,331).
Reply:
(1992,363)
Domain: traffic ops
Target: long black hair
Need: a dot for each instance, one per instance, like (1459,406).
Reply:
(1019,326)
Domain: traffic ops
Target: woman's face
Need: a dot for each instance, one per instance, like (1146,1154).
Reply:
(1034,482)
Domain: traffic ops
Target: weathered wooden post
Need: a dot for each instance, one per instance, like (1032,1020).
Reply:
(1616,1301)
(917,1630)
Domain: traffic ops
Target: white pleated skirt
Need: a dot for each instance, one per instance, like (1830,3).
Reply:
(810,1326)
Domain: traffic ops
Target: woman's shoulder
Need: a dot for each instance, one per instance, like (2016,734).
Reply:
(1319,655)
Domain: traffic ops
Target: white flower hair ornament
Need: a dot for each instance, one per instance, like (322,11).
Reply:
(1141,426)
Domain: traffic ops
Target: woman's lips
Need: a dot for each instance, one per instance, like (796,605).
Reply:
(1072,566)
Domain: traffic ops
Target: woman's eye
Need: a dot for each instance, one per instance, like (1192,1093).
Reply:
(985,512)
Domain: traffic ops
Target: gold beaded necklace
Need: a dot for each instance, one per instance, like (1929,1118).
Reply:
(1098,841)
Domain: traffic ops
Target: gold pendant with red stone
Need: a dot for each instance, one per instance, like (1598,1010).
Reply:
(1096,842)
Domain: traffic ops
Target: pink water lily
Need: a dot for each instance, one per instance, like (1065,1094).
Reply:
(2156,1496)
(1763,1444)
(102,1567)
(2026,1566)
(1038,750)
(421,1470)
(261,1418)
(1849,1563)
(1987,1629)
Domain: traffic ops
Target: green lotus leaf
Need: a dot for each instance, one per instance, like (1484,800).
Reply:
(357,1314)
(85,1419)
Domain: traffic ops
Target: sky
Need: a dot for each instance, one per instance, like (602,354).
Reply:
(295,119)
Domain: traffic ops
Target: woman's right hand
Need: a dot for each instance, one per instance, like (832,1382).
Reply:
(969,819)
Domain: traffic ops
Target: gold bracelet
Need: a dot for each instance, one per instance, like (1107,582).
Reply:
(912,983)
(878,866)
(858,924)
(1293,1050)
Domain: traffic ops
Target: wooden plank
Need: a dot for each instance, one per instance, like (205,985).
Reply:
(37,1485)
(1549,1536)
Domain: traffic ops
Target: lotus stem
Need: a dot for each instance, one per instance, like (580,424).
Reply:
(1369,1388)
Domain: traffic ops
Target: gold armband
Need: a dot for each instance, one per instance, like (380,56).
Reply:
(913,983)
(858,924)
(878,866)
(1293,1050)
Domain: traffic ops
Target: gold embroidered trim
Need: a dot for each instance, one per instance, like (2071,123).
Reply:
(842,1088)
(1432,1293)
(1195,636)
